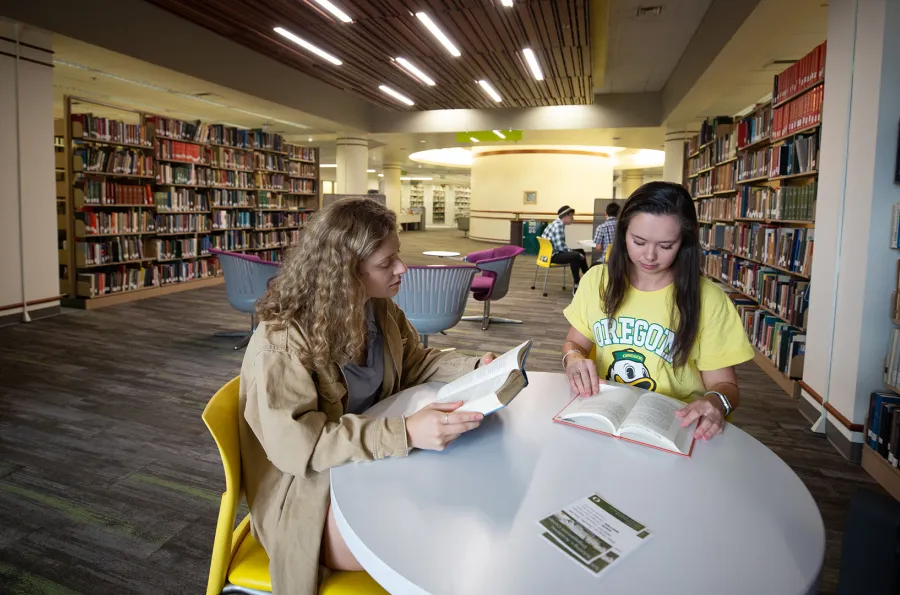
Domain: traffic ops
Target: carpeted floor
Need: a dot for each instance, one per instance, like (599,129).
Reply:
(109,481)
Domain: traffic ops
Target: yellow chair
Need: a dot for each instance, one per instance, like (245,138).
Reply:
(239,564)
(543,262)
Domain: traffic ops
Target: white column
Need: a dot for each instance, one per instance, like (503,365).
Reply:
(28,236)
(352,161)
(854,270)
(632,179)
(392,186)
(673,168)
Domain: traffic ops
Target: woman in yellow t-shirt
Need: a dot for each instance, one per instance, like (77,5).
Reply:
(652,320)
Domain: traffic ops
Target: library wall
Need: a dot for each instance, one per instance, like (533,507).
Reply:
(27,243)
(573,176)
(849,316)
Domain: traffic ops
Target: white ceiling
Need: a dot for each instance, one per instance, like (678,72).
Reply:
(743,72)
(643,52)
(88,71)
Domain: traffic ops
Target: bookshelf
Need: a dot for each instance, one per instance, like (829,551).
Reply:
(754,180)
(416,195)
(881,451)
(438,205)
(146,197)
(461,198)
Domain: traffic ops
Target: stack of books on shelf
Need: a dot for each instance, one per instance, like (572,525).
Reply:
(150,196)
(764,259)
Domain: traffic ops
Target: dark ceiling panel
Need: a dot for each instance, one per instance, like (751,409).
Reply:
(489,36)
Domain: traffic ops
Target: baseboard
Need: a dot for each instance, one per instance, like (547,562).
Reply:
(852,451)
(36,314)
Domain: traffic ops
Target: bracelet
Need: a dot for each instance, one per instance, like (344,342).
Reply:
(567,354)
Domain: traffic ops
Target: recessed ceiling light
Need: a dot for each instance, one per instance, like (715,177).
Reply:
(473,139)
(500,134)
(305,44)
(506,3)
(337,12)
(531,59)
(370,171)
(380,175)
(415,179)
(328,165)
(410,68)
(396,95)
(490,91)
(445,41)
(423,141)
(309,140)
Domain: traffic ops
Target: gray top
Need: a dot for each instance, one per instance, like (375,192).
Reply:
(364,382)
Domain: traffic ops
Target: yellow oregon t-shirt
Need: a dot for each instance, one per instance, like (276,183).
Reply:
(635,348)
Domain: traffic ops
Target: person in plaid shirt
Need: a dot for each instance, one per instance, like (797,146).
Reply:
(606,232)
(556,233)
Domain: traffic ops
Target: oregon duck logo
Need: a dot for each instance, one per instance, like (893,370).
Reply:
(628,368)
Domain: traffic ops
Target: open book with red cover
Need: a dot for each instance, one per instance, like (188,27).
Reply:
(632,414)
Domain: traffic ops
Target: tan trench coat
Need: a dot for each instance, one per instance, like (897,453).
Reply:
(293,430)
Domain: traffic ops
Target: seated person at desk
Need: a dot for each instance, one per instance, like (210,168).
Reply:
(556,233)
(331,343)
(606,232)
(651,318)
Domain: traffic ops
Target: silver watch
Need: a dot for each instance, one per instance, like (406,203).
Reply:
(723,398)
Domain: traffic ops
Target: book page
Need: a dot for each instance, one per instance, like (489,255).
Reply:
(654,414)
(499,369)
(612,403)
(593,533)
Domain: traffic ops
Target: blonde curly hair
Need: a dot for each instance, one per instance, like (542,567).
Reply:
(320,288)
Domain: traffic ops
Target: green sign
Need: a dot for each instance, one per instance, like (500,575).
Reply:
(489,136)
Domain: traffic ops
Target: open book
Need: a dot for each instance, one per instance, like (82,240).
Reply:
(633,414)
(488,388)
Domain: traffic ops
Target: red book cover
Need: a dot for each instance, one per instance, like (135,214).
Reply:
(588,408)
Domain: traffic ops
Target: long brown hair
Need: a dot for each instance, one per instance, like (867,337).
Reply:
(661,198)
(320,288)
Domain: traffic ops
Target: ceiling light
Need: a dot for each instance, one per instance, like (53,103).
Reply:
(500,134)
(380,175)
(370,171)
(531,59)
(490,91)
(506,3)
(305,44)
(408,66)
(415,179)
(396,95)
(473,139)
(426,20)
(309,140)
(337,12)
(328,165)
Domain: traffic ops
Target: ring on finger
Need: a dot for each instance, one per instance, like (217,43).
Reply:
(446,419)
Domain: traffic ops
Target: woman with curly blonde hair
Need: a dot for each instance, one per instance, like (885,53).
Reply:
(331,343)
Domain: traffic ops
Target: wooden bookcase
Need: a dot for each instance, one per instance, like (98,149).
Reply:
(143,226)
(754,183)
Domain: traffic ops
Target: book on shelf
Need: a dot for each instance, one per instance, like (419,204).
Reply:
(803,74)
(880,432)
(89,127)
(755,127)
(172,129)
(633,414)
(489,388)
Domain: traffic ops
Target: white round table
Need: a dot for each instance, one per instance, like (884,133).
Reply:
(732,519)
(441,253)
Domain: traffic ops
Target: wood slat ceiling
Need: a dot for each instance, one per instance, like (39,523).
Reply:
(489,36)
